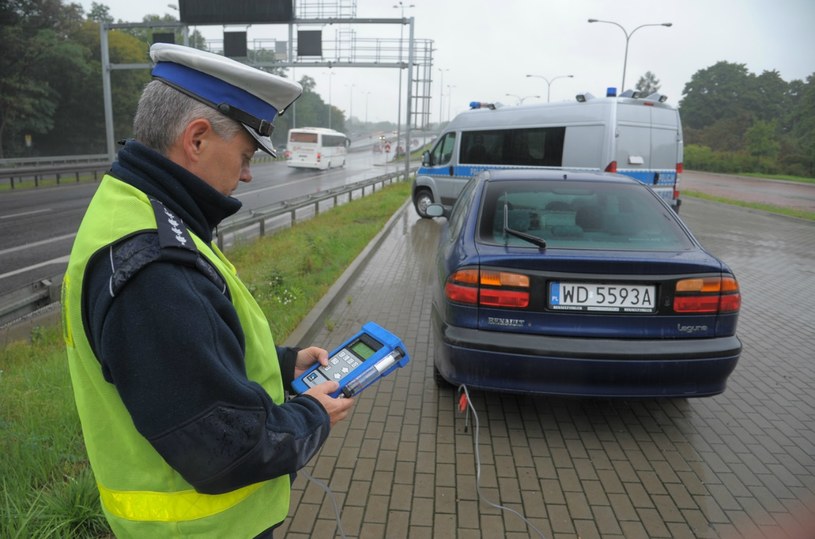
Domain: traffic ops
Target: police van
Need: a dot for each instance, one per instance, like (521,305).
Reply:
(627,134)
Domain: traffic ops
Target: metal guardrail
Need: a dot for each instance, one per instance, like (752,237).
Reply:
(25,301)
(257,223)
(53,160)
(39,172)
(37,169)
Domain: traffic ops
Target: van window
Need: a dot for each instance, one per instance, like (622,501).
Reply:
(443,151)
(334,140)
(537,147)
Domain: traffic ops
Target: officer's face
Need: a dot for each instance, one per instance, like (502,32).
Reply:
(225,162)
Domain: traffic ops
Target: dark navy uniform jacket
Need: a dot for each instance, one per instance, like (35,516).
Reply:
(169,388)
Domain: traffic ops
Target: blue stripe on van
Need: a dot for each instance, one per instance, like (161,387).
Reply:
(666,177)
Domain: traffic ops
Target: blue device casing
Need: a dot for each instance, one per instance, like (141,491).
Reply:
(353,365)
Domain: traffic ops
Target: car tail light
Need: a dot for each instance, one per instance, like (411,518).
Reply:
(612,167)
(680,168)
(319,155)
(707,295)
(488,288)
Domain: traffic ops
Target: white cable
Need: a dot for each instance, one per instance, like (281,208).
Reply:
(331,496)
(483,498)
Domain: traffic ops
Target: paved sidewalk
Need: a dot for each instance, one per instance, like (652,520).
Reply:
(739,465)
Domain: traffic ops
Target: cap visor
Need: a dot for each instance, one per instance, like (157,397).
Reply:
(264,143)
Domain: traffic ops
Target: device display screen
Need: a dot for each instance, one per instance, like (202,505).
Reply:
(362,350)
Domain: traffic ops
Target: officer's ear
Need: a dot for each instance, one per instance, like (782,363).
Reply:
(196,135)
(188,148)
(191,142)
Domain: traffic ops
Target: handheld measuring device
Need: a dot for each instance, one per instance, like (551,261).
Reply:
(363,359)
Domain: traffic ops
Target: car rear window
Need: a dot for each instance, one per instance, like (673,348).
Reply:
(579,215)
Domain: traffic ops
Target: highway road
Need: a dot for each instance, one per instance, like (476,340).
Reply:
(38,226)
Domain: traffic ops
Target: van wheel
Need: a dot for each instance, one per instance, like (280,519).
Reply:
(421,200)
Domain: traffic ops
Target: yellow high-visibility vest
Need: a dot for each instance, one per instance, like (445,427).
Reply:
(141,495)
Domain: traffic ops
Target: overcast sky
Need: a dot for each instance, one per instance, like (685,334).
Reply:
(487,47)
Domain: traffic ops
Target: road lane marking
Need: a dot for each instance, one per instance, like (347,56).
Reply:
(60,260)
(36,244)
(25,213)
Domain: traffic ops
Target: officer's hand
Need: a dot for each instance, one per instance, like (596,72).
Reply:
(306,358)
(338,409)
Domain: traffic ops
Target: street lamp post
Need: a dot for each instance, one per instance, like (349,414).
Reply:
(628,37)
(401,6)
(441,93)
(330,75)
(449,99)
(522,99)
(549,82)
(351,105)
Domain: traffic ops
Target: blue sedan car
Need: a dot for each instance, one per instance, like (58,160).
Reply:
(584,284)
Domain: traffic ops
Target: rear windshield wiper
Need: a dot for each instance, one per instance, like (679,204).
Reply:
(540,242)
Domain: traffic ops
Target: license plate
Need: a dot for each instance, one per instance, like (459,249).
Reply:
(623,298)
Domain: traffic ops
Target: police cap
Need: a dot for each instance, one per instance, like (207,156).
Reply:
(248,95)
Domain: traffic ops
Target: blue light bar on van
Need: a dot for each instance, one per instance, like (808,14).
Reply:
(479,105)
(611,91)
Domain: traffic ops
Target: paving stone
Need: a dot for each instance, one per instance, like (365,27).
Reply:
(742,462)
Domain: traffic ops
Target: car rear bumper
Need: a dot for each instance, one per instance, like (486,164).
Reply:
(584,367)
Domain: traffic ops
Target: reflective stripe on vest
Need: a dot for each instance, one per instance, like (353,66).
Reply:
(170,506)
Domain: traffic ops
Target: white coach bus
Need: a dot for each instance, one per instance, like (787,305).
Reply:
(316,147)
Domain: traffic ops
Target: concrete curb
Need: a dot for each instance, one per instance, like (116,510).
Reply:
(303,335)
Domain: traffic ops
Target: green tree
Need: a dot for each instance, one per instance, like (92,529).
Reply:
(311,111)
(34,40)
(648,84)
(761,140)
(100,13)
(772,96)
(79,126)
(802,132)
(721,91)
(195,39)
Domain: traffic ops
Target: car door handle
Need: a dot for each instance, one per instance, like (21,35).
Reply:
(451,170)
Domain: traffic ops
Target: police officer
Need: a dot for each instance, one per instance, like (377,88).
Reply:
(178,382)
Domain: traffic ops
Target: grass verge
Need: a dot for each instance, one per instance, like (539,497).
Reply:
(799,179)
(48,489)
(790,212)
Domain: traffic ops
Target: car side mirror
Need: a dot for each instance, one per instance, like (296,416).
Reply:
(436,210)
(426,159)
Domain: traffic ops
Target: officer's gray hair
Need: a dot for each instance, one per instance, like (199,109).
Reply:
(164,112)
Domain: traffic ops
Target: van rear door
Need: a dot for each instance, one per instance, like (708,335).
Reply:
(647,141)
(666,150)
